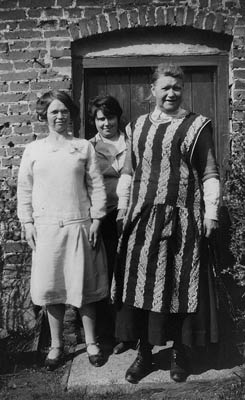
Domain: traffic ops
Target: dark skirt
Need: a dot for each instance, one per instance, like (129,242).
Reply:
(195,329)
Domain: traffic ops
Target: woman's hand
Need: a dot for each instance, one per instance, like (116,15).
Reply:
(209,225)
(94,232)
(120,218)
(30,235)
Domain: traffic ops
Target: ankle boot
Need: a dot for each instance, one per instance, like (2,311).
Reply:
(179,364)
(141,365)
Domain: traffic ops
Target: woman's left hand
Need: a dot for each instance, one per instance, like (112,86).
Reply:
(210,225)
(94,232)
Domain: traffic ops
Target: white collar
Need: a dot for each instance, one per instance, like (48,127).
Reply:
(160,116)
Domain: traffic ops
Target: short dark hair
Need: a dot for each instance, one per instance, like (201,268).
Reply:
(173,70)
(46,99)
(107,104)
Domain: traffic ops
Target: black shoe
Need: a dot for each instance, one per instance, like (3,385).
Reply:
(179,365)
(97,360)
(52,363)
(123,346)
(140,367)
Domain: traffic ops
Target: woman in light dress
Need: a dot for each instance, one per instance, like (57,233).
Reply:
(61,201)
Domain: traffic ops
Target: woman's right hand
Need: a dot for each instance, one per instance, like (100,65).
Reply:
(30,235)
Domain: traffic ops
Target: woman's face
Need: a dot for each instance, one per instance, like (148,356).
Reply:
(58,117)
(167,91)
(106,126)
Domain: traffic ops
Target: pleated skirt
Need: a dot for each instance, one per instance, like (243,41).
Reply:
(65,268)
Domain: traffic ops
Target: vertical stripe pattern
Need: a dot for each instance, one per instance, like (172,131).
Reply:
(158,260)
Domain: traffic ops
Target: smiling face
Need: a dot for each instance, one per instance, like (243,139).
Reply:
(167,91)
(58,117)
(107,126)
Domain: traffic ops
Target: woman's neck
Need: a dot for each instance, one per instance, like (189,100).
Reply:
(58,137)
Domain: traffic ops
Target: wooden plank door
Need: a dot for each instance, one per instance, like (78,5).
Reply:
(131,87)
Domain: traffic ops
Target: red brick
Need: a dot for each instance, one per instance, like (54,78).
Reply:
(20,130)
(60,43)
(219,25)
(239,53)
(199,19)
(6,172)
(73,13)
(239,84)
(18,76)
(93,26)
(75,31)
(60,53)
(133,18)
(3,152)
(15,139)
(18,108)
(17,119)
(170,16)
(180,12)
(48,74)
(57,33)
(237,63)
(229,25)
(62,63)
(10,161)
(123,21)
(161,16)
(92,12)
(113,20)
(83,24)
(142,16)
(7,66)
(103,23)
(4,47)
(3,107)
(5,131)
(20,45)
(203,3)
(239,73)
(10,4)
(64,3)
(64,85)
(190,14)
(28,24)
(12,15)
(23,65)
(22,55)
(19,87)
(37,3)
(150,16)
(9,26)
(53,12)
(239,41)
(209,21)
(34,13)
(22,34)
(48,24)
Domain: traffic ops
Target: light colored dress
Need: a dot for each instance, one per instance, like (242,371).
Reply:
(61,189)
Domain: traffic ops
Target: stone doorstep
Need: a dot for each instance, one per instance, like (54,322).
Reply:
(110,377)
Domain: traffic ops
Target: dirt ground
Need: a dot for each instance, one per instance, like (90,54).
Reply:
(29,380)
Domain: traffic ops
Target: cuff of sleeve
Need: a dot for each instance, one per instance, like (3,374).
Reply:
(211,213)
(122,203)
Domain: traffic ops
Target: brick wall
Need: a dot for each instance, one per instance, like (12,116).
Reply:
(35,54)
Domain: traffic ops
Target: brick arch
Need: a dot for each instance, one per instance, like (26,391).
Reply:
(153,16)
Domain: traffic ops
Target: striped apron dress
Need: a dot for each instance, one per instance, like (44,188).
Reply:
(158,261)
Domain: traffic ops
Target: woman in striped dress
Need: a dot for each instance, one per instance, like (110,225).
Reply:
(170,189)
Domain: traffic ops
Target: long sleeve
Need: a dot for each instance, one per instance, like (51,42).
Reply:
(95,185)
(24,189)
(124,182)
(205,163)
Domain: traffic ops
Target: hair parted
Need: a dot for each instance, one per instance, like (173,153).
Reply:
(46,99)
(107,104)
(173,70)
